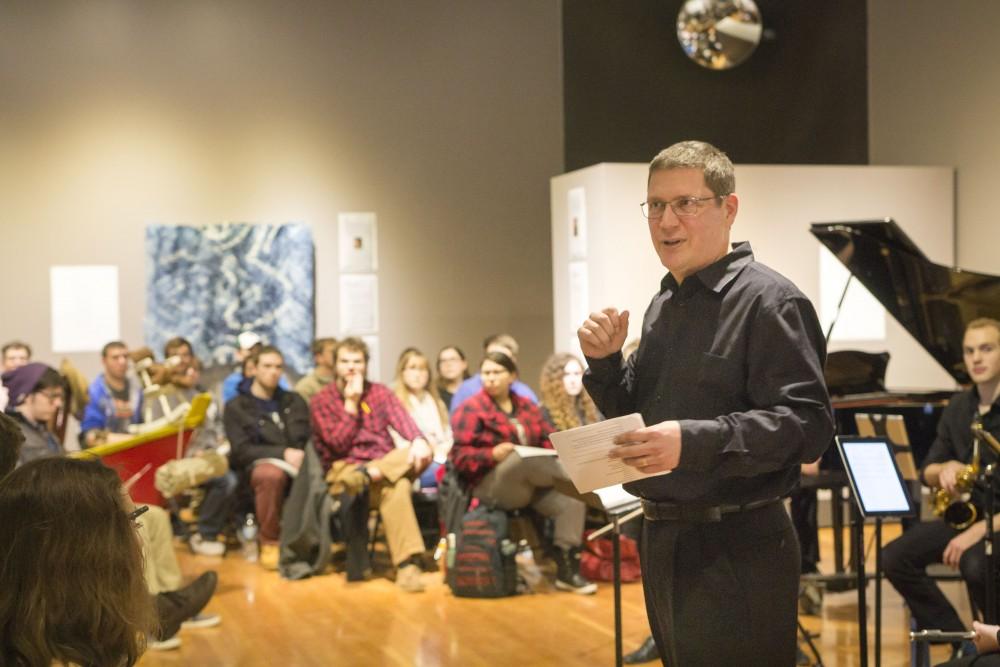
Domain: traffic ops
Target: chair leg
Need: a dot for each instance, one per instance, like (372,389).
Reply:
(374,535)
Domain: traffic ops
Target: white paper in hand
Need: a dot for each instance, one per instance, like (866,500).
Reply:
(583,452)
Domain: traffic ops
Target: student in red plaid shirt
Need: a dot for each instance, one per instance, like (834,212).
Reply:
(351,419)
(486,428)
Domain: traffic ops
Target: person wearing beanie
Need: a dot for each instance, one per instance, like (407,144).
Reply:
(36,393)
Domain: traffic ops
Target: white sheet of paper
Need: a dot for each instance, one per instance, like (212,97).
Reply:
(613,497)
(576,204)
(583,452)
(374,373)
(579,294)
(357,235)
(358,304)
(84,302)
(529,452)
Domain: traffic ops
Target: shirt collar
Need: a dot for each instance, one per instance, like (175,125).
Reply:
(719,274)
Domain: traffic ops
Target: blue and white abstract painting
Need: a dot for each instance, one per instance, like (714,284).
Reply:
(211,283)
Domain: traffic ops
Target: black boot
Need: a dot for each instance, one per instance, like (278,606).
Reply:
(568,577)
(645,653)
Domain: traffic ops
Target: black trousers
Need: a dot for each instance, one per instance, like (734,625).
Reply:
(905,562)
(723,593)
(805,518)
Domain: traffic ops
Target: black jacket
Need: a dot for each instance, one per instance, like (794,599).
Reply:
(254,434)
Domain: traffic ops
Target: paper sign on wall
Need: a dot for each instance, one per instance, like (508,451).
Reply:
(358,240)
(576,205)
(84,301)
(358,304)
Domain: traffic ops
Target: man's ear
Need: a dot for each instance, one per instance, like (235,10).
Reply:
(732,206)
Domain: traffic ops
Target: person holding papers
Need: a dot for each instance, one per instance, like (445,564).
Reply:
(488,428)
(728,378)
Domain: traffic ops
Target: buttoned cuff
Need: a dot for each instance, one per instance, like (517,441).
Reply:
(701,442)
(605,366)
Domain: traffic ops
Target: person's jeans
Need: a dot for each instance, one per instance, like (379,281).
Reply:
(218,504)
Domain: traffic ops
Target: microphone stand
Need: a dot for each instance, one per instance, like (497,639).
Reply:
(990,613)
(617,519)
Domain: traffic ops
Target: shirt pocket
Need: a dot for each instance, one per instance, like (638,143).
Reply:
(720,373)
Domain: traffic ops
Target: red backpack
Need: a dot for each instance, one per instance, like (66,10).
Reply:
(597,560)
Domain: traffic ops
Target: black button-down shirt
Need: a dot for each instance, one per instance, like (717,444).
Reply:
(736,355)
(954,441)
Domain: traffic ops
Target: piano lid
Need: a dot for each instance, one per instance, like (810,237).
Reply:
(931,301)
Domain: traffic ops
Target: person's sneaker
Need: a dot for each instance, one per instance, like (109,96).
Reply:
(568,577)
(202,547)
(269,556)
(202,620)
(168,644)
(408,578)
(175,607)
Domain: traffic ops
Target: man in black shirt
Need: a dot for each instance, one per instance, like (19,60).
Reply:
(729,378)
(906,557)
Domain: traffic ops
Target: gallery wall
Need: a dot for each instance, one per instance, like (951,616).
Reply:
(933,101)
(443,118)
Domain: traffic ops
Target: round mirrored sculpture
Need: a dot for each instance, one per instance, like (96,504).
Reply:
(719,34)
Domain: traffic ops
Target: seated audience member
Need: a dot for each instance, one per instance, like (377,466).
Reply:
(114,401)
(564,402)
(13,355)
(220,492)
(90,573)
(266,422)
(351,419)
(11,439)
(907,557)
(71,568)
(247,345)
(487,427)
(452,370)
(415,390)
(505,344)
(322,373)
(36,394)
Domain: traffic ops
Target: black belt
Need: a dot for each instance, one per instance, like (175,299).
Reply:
(659,511)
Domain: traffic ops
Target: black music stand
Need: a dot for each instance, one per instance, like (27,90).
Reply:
(879,491)
(621,507)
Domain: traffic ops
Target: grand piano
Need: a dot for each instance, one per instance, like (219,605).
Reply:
(931,301)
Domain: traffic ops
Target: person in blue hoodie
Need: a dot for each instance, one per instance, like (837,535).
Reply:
(114,400)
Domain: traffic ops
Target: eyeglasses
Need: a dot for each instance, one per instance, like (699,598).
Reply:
(685,207)
(137,512)
(53,395)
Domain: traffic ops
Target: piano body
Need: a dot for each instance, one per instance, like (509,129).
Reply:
(931,301)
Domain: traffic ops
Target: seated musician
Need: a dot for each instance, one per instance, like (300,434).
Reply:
(12,355)
(114,400)
(486,427)
(939,541)
(351,418)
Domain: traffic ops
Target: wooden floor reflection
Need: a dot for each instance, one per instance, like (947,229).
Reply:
(325,621)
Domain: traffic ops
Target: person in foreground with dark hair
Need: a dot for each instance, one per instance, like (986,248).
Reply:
(11,440)
(71,568)
(729,379)
(487,427)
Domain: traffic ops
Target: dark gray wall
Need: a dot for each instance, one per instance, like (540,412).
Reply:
(630,90)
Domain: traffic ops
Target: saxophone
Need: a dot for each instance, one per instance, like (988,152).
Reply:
(957,509)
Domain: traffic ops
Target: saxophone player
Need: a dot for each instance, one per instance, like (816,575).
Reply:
(939,541)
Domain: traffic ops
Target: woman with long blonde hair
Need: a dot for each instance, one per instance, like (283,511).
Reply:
(415,388)
(564,402)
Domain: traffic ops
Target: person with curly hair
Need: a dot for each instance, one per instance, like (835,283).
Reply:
(564,402)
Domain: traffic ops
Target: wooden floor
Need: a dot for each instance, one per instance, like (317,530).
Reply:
(325,621)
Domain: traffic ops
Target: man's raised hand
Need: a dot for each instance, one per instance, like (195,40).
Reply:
(603,333)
